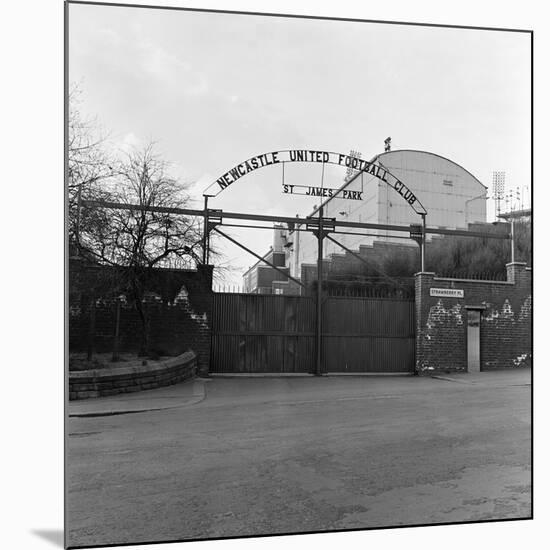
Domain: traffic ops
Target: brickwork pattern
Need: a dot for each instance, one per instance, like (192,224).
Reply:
(506,321)
(179,307)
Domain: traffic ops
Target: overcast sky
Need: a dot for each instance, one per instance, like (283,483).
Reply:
(215,89)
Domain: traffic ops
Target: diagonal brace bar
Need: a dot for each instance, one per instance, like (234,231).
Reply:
(258,256)
(354,254)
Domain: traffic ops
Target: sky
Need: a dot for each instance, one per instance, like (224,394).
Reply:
(215,89)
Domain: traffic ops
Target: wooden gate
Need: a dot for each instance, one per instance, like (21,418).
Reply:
(368,335)
(254,333)
(258,333)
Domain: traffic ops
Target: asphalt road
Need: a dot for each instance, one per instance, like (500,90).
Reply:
(259,456)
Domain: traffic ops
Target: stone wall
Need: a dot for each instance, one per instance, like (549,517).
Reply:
(104,382)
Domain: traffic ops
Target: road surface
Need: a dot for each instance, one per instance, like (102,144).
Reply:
(290,455)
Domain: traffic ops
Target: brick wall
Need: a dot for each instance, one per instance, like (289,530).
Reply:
(178,302)
(289,288)
(505,330)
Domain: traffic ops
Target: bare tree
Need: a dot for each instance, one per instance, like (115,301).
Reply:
(132,242)
(136,241)
(88,163)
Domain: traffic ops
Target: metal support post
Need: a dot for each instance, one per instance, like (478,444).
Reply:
(205,232)
(208,246)
(318,328)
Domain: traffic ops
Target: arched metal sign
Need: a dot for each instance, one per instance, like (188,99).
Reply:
(307,155)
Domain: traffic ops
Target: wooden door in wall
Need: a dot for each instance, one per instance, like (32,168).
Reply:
(473,340)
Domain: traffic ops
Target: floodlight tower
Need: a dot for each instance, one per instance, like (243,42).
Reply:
(498,189)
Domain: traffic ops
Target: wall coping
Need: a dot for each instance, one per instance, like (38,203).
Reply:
(484,281)
(337,255)
(186,357)
(270,267)
(325,260)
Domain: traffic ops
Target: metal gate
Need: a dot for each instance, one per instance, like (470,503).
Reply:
(258,333)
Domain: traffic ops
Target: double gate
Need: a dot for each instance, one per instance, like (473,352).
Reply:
(255,333)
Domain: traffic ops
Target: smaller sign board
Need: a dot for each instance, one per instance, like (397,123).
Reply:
(447,292)
(311,191)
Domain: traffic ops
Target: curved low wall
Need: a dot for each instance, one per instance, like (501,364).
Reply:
(104,382)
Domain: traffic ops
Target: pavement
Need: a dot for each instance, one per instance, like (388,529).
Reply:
(193,391)
(496,378)
(251,456)
(185,394)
